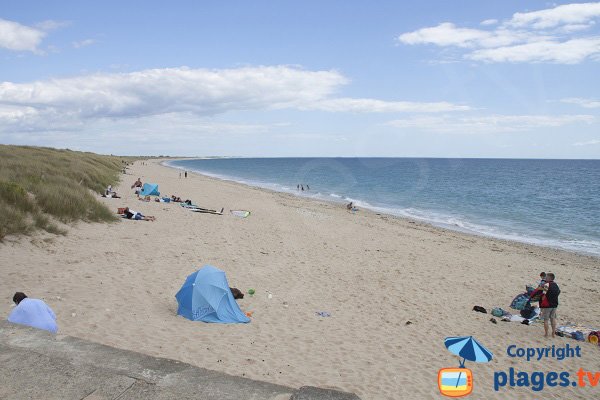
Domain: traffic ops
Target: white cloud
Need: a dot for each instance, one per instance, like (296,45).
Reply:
(159,91)
(17,37)
(445,34)
(585,103)
(50,25)
(567,14)
(570,52)
(380,106)
(83,43)
(488,22)
(488,124)
(555,35)
(588,143)
(202,92)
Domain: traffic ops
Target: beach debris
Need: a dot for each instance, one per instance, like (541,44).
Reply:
(285,304)
(408,323)
(73,314)
(249,314)
(493,320)
(323,314)
(479,309)
(251,292)
(269,295)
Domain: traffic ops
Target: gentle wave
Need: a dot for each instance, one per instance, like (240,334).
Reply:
(500,229)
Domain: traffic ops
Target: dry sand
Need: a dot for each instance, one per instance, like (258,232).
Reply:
(115,284)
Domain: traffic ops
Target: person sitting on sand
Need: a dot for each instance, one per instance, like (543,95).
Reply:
(32,312)
(137,184)
(176,199)
(138,216)
(349,206)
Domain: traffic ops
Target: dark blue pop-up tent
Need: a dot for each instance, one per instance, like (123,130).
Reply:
(205,296)
(150,189)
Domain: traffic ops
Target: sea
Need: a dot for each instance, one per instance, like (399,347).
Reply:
(552,203)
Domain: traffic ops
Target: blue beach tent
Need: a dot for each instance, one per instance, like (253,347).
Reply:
(205,296)
(150,189)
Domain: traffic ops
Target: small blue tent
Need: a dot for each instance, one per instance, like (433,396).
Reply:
(205,296)
(150,189)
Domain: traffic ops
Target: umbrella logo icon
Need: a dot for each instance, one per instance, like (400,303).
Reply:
(458,382)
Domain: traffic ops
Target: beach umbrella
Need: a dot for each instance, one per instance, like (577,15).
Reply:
(468,348)
(205,296)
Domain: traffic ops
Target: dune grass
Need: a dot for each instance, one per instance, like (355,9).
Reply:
(39,186)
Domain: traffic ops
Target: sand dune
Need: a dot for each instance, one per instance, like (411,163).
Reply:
(115,284)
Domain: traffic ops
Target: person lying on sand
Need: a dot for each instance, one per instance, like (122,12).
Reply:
(112,195)
(130,214)
(176,199)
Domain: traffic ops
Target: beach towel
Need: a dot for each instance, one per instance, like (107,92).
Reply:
(520,301)
(518,318)
(34,313)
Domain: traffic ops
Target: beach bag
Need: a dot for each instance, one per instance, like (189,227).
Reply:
(520,302)
(498,312)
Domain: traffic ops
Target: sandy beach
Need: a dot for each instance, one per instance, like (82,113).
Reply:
(395,289)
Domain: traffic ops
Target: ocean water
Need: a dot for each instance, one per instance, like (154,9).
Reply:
(553,203)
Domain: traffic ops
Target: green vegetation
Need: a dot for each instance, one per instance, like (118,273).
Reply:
(41,185)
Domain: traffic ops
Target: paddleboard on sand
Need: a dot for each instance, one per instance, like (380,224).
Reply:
(205,211)
(240,213)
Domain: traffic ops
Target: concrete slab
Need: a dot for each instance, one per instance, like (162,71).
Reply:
(38,365)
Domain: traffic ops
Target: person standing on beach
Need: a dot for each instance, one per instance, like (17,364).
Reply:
(186,174)
(302,187)
(180,175)
(307,187)
(298,186)
(549,303)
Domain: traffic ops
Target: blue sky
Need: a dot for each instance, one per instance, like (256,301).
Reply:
(310,78)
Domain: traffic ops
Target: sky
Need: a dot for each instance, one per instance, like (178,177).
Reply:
(509,79)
